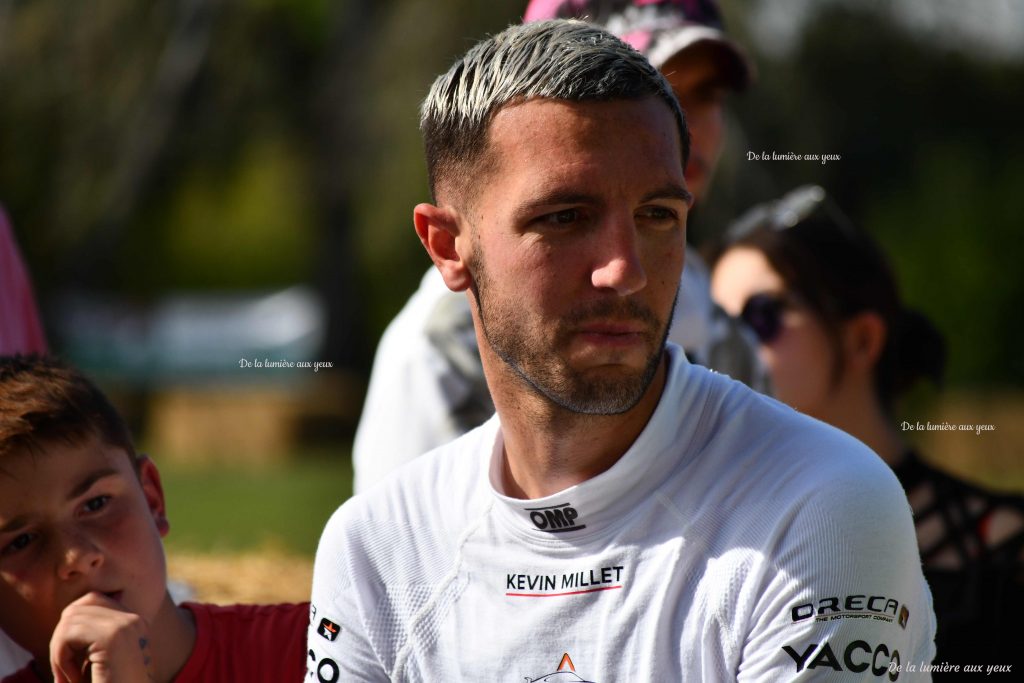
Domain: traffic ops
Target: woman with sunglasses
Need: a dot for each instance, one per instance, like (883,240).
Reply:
(839,345)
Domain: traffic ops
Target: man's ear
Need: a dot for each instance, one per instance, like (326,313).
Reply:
(864,337)
(438,229)
(153,490)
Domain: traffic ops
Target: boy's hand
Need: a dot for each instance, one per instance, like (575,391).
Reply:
(98,640)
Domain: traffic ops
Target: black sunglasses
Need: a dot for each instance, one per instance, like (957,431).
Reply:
(763,314)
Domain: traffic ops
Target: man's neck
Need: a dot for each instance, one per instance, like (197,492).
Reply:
(549,448)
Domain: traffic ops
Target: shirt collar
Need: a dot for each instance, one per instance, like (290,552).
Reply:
(594,505)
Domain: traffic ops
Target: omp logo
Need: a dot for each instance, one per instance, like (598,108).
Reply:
(857,657)
(556,519)
(874,607)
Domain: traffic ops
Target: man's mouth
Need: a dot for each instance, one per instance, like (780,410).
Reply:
(613,334)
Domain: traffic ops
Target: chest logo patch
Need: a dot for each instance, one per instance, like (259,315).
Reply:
(565,673)
(328,629)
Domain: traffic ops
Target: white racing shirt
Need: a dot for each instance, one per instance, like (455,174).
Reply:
(735,540)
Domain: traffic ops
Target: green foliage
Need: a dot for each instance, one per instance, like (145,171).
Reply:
(952,237)
(248,226)
(150,146)
(932,162)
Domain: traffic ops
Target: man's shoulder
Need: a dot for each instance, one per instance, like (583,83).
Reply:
(784,454)
(437,488)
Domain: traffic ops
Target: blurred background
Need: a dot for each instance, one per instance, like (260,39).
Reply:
(203,183)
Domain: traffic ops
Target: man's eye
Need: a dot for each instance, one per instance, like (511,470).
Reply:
(563,217)
(20,542)
(97,503)
(659,214)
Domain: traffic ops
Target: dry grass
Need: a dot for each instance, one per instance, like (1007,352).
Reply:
(993,457)
(265,576)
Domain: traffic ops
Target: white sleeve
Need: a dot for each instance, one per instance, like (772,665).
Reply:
(844,597)
(339,648)
(426,387)
(405,413)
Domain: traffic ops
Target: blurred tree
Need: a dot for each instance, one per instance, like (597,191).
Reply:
(225,144)
(257,143)
(932,151)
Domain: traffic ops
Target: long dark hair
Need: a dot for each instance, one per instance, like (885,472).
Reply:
(839,271)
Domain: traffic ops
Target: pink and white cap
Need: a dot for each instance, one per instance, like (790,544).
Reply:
(660,29)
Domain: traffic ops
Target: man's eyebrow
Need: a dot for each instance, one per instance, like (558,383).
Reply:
(555,198)
(671,191)
(93,477)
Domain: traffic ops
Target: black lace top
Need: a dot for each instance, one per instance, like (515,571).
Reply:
(972,549)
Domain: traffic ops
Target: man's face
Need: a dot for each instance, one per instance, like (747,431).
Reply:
(576,246)
(695,75)
(76,519)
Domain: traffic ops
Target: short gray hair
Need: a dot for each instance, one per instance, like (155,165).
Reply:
(558,59)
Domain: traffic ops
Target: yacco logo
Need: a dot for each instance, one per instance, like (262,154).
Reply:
(565,672)
(857,657)
(874,607)
(556,519)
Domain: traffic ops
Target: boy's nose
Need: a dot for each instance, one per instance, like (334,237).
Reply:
(80,556)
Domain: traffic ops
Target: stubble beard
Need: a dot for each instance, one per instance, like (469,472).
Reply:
(543,370)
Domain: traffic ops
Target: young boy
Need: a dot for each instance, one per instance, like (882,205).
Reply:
(82,570)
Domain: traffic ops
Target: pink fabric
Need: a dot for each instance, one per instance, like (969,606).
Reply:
(539,10)
(20,329)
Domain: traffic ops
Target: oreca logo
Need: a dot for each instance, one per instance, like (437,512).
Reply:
(851,605)
(556,518)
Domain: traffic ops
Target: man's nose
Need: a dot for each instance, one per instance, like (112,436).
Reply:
(78,555)
(618,265)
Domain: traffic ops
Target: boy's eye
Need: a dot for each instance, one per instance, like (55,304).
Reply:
(20,542)
(97,503)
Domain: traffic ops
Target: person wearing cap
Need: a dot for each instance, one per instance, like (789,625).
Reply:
(625,515)
(427,385)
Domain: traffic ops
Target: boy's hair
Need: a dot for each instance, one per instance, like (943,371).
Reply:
(43,400)
(561,60)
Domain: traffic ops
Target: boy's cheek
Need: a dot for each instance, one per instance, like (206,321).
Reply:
(26,628)
(28,612)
